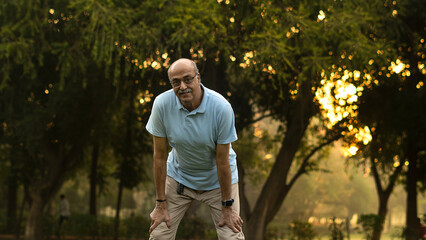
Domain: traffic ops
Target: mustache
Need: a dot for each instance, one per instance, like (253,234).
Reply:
(188,90)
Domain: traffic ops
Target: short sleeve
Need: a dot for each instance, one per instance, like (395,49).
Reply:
(226,125)
(155,124)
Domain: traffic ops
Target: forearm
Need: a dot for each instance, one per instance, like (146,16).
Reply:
(229,215)
(160,173)
(160,213)
(224,175)
(160,166)
(224,171)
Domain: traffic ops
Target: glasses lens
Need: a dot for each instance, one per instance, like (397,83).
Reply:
(189,80)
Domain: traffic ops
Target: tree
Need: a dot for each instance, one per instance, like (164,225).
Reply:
(270,54)
(389,98)
(58,82)
(278,64)
(131,146)
(268,57)
(389,149)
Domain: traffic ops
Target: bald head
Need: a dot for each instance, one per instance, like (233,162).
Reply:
(182,63)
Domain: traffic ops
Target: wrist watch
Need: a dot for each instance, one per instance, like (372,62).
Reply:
(227,203)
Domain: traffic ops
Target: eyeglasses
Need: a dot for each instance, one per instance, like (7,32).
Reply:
(187,80)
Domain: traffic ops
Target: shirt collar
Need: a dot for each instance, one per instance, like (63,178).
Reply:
(201,108)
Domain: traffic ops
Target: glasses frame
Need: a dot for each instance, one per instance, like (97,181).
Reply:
(187,81)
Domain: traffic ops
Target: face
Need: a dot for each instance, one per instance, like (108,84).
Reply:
(186,83)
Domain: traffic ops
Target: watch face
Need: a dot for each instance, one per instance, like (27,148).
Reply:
(228,203)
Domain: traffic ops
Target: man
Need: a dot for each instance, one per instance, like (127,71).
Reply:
(64,210)
(198,124)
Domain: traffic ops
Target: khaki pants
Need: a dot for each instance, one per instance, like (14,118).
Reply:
(179,204)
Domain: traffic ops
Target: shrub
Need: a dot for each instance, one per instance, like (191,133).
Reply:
(336,230)
(368,223)
(272,233)
(136,227)
(192,228)
(80,225)
(85,225)
(397,233)
(299,230)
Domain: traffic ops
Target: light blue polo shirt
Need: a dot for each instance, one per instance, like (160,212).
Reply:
(193,137)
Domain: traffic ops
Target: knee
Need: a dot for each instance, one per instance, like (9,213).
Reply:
(162,232)
(225,233)
(155,235)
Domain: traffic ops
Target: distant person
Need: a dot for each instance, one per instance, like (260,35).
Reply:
(198,124)
(64,210)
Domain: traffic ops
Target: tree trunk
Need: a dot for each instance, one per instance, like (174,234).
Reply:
(276,187)
(33,228)
(412,227)
(12,192)
(41,192)
(383,195)
(40,196)
(93,179)
(211,73)
(258,222)
(253,232)
(383,210)
(244,203)
(117,212)
(12,199)
(25,199)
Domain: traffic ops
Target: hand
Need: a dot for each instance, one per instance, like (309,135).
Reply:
(158,215)
(231,219)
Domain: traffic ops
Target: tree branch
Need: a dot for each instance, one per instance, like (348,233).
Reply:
(260,118)
(302,168)
(376,177)
(392,179)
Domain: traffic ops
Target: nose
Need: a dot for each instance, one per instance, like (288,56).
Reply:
(182,85)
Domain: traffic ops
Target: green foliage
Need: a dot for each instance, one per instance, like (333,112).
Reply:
(272,233)
(83,225)
(192,228)
(82,52)
(193,22)
(390,106)
(252,150)
(336,230)
(64,71)
(315,135)
(397,233)
(136,227)
(369,222)
(133,227)
(299,230)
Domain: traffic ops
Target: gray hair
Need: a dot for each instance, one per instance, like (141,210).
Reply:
(195,67)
